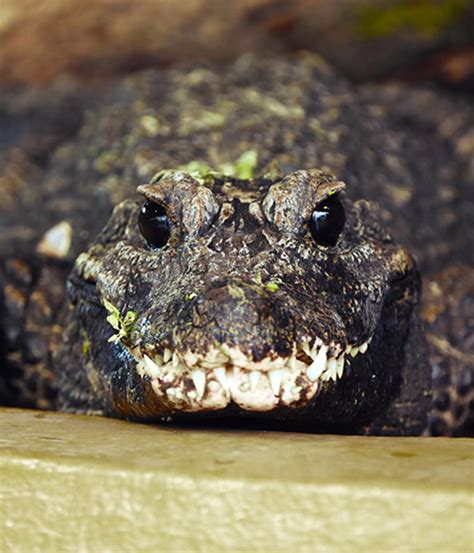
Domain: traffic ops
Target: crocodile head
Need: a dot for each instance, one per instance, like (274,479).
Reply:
(220,296)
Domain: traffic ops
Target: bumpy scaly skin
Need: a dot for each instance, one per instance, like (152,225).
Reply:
(409,150)
(242,313)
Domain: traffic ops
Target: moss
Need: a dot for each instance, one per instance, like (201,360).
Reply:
(105,161)
(150,124)
(236,292)
(242,168)
(271,285)
(425,17)
(86,345)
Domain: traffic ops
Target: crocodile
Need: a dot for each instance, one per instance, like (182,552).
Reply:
(270,272)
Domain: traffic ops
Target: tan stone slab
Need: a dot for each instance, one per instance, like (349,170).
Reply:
(71,483)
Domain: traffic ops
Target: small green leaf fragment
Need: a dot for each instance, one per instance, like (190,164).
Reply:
(86,345)
(272,286)
(114,322)
(111,308)
(124,326)
(258,279)
(246,164)
(129,319)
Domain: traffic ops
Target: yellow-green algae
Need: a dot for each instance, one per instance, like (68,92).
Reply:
(425,17)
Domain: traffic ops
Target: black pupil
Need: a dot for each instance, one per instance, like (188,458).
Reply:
(327,221)
(154,224)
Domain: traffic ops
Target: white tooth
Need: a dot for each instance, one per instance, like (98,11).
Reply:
(166,355)
(354,351)
(363,347)
(199,379)
(171,392)
(291,363)
(221,377)
(175,359)
(141,369)
(151,367)
(214,386)
(244,386)
(340,366)
(318,365)
(331,368)
(254,378)
(156,387)
(190,359)
(275,378)
(305,347)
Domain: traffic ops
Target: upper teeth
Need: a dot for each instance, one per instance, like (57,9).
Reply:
(253,385)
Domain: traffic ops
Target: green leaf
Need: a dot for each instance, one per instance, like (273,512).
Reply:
(246,164)
(272,286)
(114,321)
(111,308)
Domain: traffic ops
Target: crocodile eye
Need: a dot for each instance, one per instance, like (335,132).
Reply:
(154,224)
(327,221)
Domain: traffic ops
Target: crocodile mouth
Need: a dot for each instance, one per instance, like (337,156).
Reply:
(190,382)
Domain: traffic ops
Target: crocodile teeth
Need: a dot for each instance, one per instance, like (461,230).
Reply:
(354,351)
(275,377)
(340,366)
(199,379)
(291,363)
(331,369)
(222,377)
(167,354)
(254,379)
(151,367)
(306,349)
(318,365)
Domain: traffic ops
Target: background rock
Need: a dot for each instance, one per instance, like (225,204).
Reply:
(365,39)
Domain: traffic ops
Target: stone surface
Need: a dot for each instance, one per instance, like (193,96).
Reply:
(72,483)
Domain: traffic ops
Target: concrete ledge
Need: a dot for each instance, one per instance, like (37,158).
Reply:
(71,483)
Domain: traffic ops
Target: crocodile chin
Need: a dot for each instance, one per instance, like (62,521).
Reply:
(195,382)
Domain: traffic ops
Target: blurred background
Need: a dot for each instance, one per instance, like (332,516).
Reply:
(94,40)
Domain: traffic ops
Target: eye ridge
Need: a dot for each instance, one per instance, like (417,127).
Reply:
(154,224)
(327,221)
